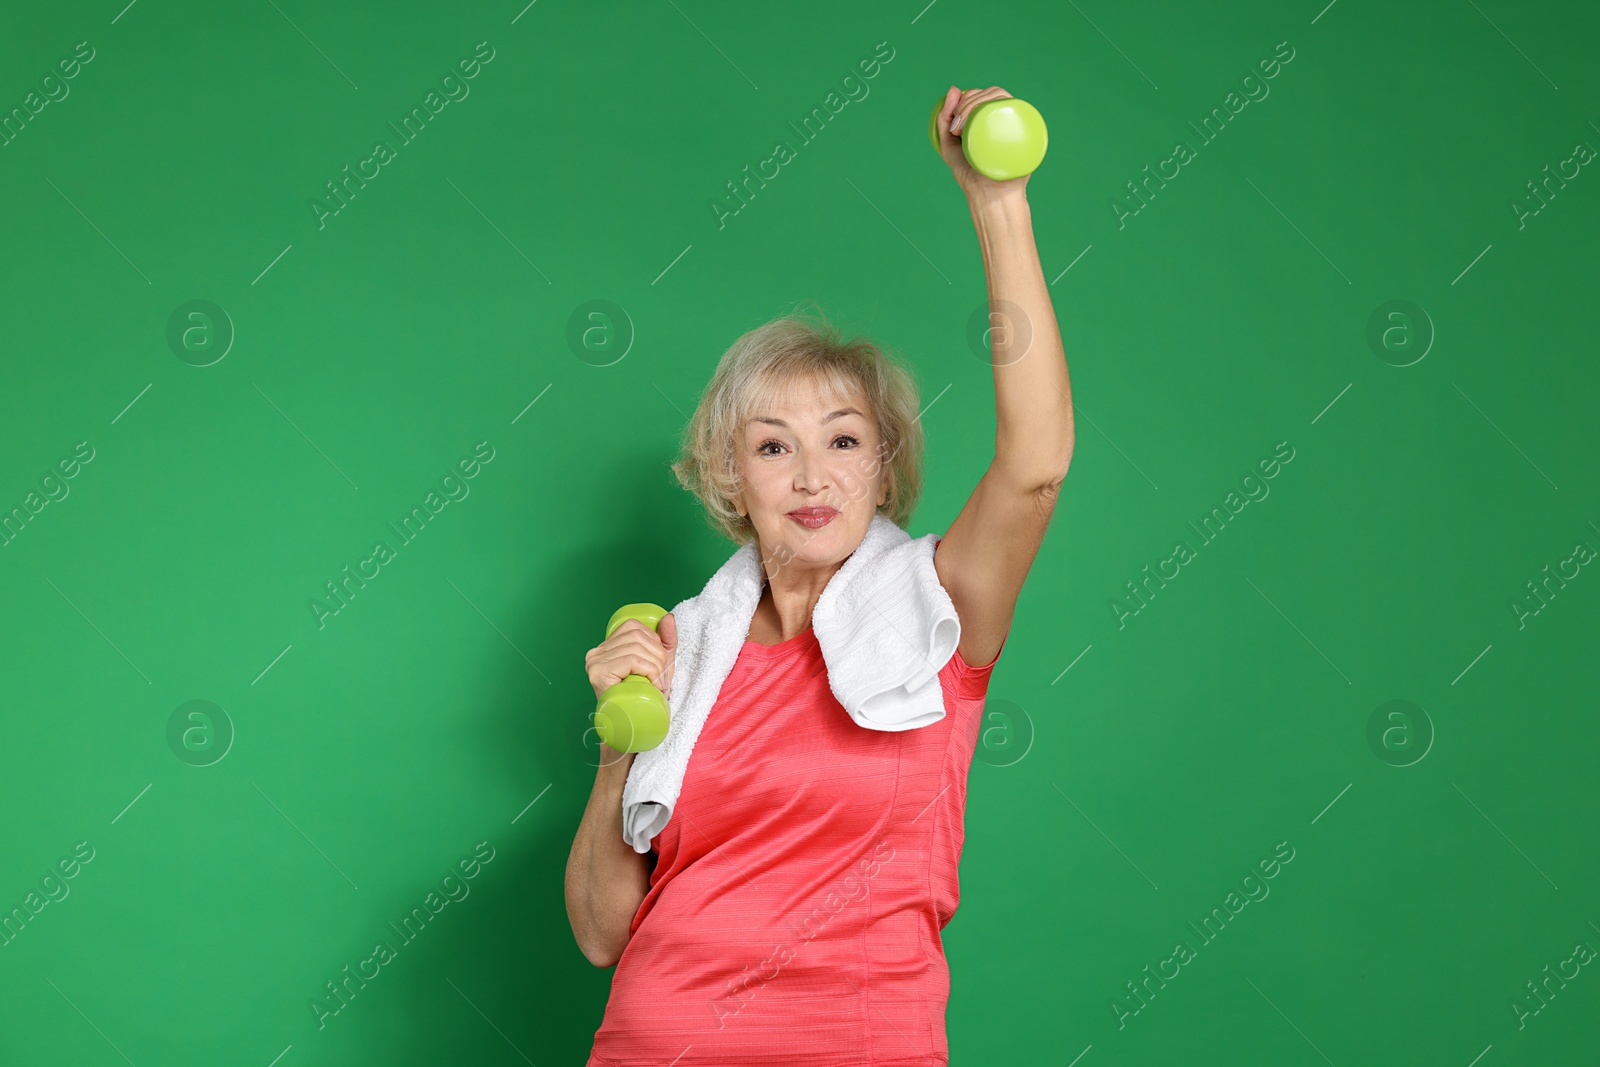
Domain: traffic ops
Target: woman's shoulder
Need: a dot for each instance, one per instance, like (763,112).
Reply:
(968,680)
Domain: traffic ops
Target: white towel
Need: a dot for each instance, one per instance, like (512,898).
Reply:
(886,628)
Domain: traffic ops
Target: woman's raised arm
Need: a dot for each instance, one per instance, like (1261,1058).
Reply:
(985,556)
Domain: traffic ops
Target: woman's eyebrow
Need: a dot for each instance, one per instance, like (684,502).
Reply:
(829,418)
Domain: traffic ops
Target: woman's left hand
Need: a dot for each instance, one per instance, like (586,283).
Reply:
(958,106)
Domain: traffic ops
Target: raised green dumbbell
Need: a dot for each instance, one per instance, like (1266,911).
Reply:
(632,715)
(1002,139)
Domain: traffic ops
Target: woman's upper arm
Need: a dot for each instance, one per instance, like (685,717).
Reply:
(985,556)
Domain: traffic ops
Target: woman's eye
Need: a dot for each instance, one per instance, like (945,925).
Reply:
(761,449)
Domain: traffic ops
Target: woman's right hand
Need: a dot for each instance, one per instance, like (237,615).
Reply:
(634,648)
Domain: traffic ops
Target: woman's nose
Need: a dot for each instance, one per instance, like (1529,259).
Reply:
(811,473)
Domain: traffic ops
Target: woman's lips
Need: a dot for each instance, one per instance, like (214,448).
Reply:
(813,518)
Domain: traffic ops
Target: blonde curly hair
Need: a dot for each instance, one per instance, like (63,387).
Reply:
(772,363)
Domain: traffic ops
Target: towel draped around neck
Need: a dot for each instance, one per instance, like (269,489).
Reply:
(886,627)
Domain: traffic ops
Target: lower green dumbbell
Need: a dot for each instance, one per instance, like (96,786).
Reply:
(632,715)
(1002,139)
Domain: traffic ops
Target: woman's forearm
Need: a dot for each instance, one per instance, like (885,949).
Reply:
(1033,396)
(606,879)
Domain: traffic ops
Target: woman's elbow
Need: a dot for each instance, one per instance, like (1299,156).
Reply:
(600,948)
(604,891)
(602,923)
(605,958)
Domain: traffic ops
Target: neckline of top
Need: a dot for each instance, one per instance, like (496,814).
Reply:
(804,636)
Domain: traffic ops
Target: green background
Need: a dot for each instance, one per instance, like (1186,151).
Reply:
(445,704)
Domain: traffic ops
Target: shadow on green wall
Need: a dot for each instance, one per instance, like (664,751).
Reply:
(513,954)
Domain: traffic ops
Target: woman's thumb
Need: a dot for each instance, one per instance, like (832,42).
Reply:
(667,630)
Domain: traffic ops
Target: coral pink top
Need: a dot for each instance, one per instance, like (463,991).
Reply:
(794,914)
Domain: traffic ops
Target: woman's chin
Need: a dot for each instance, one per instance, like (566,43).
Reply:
(821,545)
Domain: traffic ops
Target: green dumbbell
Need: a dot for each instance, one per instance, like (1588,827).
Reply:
(1002,139)
(632,715)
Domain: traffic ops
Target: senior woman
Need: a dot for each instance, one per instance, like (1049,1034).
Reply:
(744,937)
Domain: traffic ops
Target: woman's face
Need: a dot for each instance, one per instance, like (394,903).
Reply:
(823,453)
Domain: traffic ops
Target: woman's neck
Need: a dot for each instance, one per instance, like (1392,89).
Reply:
(784,611)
